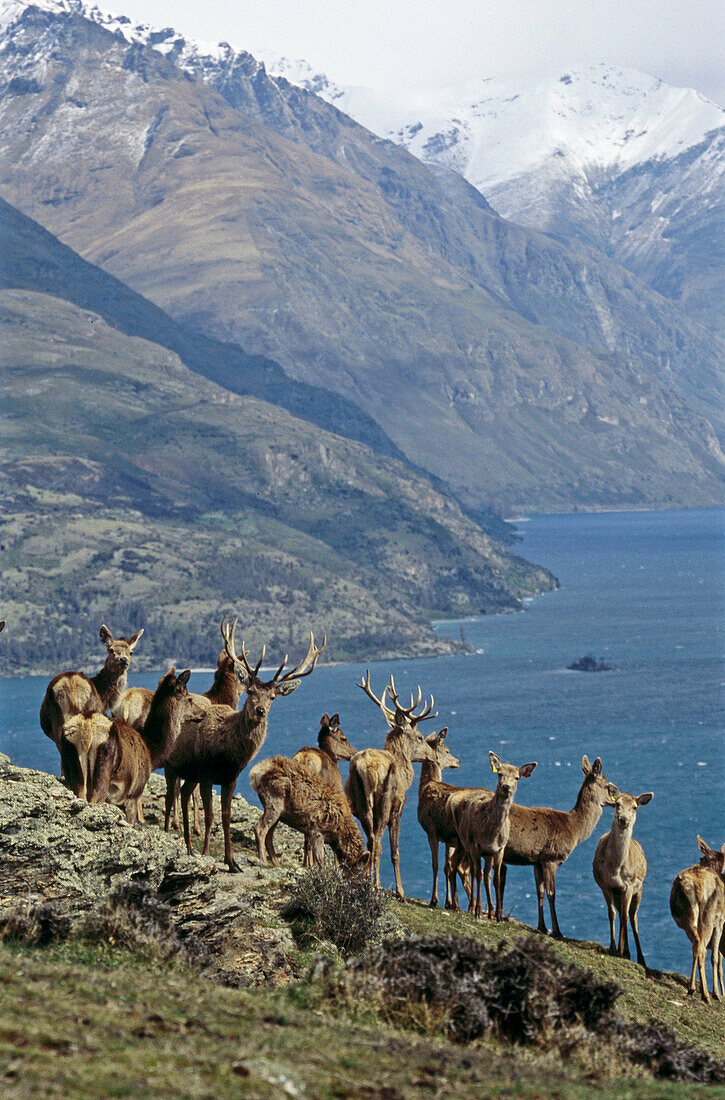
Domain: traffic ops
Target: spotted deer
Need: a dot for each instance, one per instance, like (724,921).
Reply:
(483,827)
(72,693)
(379,778)
(333,745)
(215,749)
(293,793)
(697,904)
(619,868)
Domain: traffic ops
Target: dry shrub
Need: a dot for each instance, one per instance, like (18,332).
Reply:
(347,910)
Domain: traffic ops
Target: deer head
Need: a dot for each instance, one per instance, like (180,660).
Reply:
(443,757)
(333,739)
(508,775)
(605,793)
(711,858)
(403,720)
(262,693)
(119,650)
(626,806)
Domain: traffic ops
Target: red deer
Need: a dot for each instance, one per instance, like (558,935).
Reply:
(543,838)
(216,749)
(433,795)
(697,904)
(333,745)
(379,778)
(619,868)
(294,794)
(72,693)
(483,825)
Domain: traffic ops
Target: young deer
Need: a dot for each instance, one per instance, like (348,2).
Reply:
(619,870)
(483,825)
(296,795)
(72,693)
(125,757)
(697,904)
(433,795)
(333,745)
(216,749)
(379,778)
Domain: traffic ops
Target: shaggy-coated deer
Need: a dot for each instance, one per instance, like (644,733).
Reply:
(434,819)
(124,758)
(216,749)
(294,794)
(483,826)
(72,693)
(619,868)
(333,745)
(379,778)
(697,904)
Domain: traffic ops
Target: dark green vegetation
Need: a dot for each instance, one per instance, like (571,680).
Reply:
(136,492)
(520,372)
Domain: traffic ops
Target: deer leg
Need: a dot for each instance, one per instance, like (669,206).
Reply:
(550,870)
(478,875)
(539,880)
(612,912)
(208,804)
(131,811)
(633,907)
(264,829)
(197,819)
(701,960)
(453,864)
(185,794)
(227,794)
(170,796)
(497,865)
(433,842)
(394,835)
(317,850)
(623,909)
(487,884)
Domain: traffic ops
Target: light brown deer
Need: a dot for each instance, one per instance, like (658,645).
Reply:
(619,868)
(333,745)
(72,693)
(697,904)
(483,826)
(216,749)
(80,739)
(434,819)
(543,838)
(294,794)
(379,778)
(124,758)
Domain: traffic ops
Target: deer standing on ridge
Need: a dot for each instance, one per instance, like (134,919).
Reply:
(619,868)
(333,745)
(216,749)
(434,819)
(697,904)
(379,778)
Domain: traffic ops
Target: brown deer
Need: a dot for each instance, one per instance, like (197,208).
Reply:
(216,749)
(294,794)
(121,758)
(80,739)
(619,868)
(379,778)
(543,838)
(333,745)
(483,825)
(697,904)
(72,693)
(437,824)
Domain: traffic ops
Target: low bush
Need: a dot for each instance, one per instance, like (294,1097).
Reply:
(347,910)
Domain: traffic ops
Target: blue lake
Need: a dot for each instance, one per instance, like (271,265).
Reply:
(644,590)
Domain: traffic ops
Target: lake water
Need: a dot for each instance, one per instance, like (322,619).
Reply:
(646,591)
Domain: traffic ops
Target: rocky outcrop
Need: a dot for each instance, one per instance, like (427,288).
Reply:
(56,849)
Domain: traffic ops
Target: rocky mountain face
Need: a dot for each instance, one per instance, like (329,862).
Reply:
(610,158)
(544,377)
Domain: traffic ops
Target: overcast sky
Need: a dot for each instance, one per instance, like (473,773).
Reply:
(400,44)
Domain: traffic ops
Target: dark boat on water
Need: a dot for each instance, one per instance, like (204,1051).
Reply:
(589,664)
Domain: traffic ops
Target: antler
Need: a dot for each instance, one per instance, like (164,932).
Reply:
(365,685)
(427,711)
(243,657)
(305,666)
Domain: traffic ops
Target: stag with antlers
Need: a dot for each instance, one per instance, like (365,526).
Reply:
(379,778)
(217,748)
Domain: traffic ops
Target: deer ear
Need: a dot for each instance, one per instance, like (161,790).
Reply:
(105,635)
(586,766)
(287,687)
(132,641)
(325,720)
(494,762)
(613,792)
(597,766)
(443,734)
(183,677)
(643,799)
(526,770)
(704,848)
(335,720)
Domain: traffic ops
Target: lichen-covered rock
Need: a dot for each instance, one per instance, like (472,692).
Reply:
(57,848)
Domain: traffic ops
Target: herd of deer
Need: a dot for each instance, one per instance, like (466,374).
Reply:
(203,740)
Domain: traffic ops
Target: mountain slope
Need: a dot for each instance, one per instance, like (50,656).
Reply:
(253,238)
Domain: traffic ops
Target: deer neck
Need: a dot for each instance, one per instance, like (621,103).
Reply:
(499,807)
(225,689)
(396,743)
(161,728)
(324,745)
(586,813)
(253,730)
(109,687)
(430,772)
(619,841)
